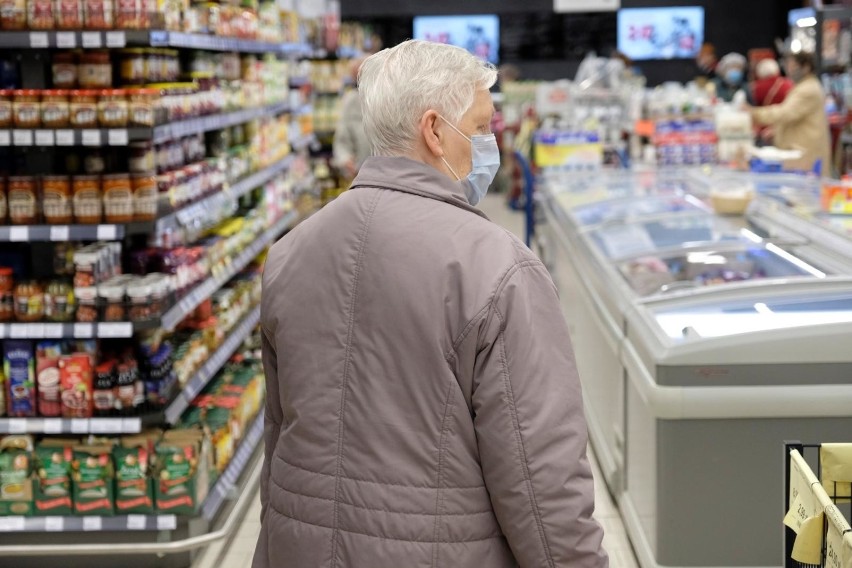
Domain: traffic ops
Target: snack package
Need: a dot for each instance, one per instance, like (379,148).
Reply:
(134,486)
(76,384)
(52,489)
(47,377)
(182,477)
(16,486)
(2,391)
(19,368)
(92,480)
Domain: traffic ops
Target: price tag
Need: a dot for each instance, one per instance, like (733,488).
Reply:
(166,522)
(17,426)
(113,330)
(136,522)
(52,425)
(19,331)
(19,234)
(22,137)
(116,39)
(91,137)
(5,138)
(79,426)
(54,524)
(11,524)
(38,40)
(53,330)
(84,330)
(117,137)
(131,425)
(64,137)
(3,329)
(66,40)
(91,39)
(107,232)
(44,138)
(92,523)
(59,233)
(106,426)
(36,330)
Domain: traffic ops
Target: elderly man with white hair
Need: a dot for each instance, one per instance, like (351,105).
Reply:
(423,405)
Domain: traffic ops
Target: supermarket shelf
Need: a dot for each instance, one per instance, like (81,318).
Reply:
(298,82)
(227,483)
(89,524)
(56,233)
(215,122)
(151,38)
(303,142)
(76,425)
(68,330)
(197,383)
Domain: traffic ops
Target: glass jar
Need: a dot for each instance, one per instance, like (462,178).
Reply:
(26,109)
(84,109)
(69,14)
(13,14)
(7,296)
(29,301)
(112,299)
(87,199)
(139,294)
(59,305)
(4,204)
(134,68)
(131,14)
(22,200)
(141,159)
(55,109)
(112,108)
(6,114)
(143,104)
(98,14)
(87,304)
(144,197)
(94,162)
(56,200)
(40,14)
(94,70)
(64,69)
(118,198)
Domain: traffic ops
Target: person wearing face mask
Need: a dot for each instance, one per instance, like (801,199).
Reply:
(423,405)
(730,76)
(800,122)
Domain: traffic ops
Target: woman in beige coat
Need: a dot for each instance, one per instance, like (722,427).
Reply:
(800,123)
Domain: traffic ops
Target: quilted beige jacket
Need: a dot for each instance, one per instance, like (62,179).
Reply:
(423,404)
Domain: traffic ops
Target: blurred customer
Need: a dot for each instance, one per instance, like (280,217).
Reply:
(707,62)
(730,76)
(351,146)
(769,87)
(800,122)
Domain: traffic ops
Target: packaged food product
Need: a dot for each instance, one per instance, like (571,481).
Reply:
(134,486)
(21,199)
(26,109)
(112,108)
(19,369)
(94,70)
(143,104)
(144,197)
(76,384)
(118,198)
(139,294)
(131,14)
(47,377)
(99,14)
(53,463)
(13,14)
(64,70)
(111,294)
(29,301)
(55,111)
(179,484)
(87,199)
(40,14)
(141,158)
(7,298)
(133,66)
(92,478)
(6,108)
(69,14)
(129,387)
(16,489)
(94,162)
(87,304)
(84,109)
(59,302)
(104,395)
(56,200)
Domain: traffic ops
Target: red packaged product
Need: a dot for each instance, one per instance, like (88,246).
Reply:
(76,383)
(47,378)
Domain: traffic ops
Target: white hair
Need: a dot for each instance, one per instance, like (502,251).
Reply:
(767,68)
(399,84)
(731,60)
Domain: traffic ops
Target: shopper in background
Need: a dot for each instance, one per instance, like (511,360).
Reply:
(707,62)
(730,76)
(800,122)
(351,146)
(769,87)
(423,403)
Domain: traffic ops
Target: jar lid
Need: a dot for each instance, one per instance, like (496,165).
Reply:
(111,292)
(113,92)
(56,178)
(138,290)
(86,293)
(84,93)
(20,179)
(26,92)
(144,91)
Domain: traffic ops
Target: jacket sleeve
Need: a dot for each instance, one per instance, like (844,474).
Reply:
(273,416)
(800,102)
(530,427)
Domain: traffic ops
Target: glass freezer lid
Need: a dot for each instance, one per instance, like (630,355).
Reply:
(574,191)
(636,209)
(748,316)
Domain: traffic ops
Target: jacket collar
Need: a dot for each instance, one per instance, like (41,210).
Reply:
(410,176)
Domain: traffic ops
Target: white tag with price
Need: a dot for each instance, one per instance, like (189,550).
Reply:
(52,425)
(92,523)
(53,330)
(91,39)
(107,232)
(19,234)
(44,138)
(136,522)
(166,522)
(59,233)
(11,524)
(17,425)
(64,137)
(38,40)
(116,39)
(91,138)
(83,330)
(54,524)
(22,137)
(117,137)
(5,138)
(79,426)
(19,331)
(66,40)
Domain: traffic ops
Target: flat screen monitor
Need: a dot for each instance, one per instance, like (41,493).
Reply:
(661,33)
(480,35)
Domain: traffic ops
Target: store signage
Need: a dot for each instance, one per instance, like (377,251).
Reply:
(564,6)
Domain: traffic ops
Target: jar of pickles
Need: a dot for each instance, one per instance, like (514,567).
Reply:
(95,70)
(29,301)
(26,109)
(55,109)
(59,304)
(112,108)
(84,109)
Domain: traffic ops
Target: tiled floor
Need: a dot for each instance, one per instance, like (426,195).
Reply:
(237,553)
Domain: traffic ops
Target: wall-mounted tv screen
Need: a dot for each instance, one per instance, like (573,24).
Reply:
(661,33)
(480,35)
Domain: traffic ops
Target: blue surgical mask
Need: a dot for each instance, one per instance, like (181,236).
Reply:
(734,76)
(485,155)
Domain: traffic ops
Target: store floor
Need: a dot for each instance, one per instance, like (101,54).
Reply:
(237,552)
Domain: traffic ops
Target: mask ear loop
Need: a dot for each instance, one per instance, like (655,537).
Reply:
(451,169)
(444,159)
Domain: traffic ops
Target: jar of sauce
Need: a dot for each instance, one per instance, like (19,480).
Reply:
(86,192)
(98,14)
(56,200)
(4,206)
(118,198)
(55,109)
(64,69)
(29,301)
(112,108)
(6,108)
(95,70)
(143,107)
(84,109)
(26,109)
(40,14)
(69,14)
(144,197)
(21,192)
(7,298)
(13,14)
(142,158)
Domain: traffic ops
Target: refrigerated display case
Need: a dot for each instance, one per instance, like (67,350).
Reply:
(703,343)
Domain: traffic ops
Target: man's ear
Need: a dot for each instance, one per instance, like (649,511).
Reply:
(429,131)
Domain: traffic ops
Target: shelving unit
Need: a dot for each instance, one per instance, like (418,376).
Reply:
(119,523)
